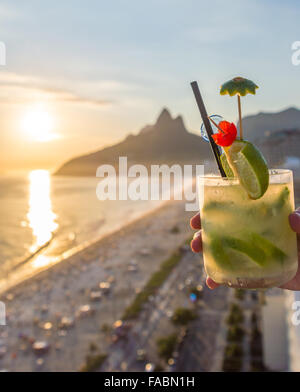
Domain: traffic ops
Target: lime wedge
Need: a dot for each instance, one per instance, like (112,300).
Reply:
(256,254)
(271,250)
(227,169)
(282,199)
(255,247)
(219,254)
(222,247)
(249,166)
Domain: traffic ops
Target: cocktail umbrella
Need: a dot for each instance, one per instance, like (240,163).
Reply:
(241,87)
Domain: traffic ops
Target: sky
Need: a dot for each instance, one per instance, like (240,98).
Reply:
(81,75)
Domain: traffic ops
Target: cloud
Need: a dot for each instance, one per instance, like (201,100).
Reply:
(19,89)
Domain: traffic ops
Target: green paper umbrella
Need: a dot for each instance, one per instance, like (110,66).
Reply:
(241,87)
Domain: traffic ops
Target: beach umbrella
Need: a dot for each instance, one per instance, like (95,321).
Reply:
(239,86)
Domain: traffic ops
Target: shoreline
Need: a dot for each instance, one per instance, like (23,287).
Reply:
(36,307)
(63,258)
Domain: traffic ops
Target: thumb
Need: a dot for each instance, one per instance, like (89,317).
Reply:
(294,219)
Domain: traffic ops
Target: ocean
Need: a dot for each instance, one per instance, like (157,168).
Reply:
(44,219)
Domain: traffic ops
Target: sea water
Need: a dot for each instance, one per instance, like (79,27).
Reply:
(44,218)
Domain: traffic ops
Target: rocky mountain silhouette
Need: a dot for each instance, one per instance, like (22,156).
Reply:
(276,134)
(261,125)
(166,141)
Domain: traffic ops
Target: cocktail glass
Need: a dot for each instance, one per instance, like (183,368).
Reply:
(248,243)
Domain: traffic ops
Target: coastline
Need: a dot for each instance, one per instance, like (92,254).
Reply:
(36,306)
(56,261)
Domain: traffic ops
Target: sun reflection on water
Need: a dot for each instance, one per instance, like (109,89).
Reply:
(40,216)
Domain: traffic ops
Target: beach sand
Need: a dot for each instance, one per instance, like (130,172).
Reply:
(35,307)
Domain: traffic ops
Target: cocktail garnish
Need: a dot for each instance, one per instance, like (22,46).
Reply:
(227,134)
(249,165)
(229,172)
(238,85)
(241,87)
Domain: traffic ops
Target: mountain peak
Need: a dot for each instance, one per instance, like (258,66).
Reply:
(291,109)
(168,141)
(165,123)
(164,117)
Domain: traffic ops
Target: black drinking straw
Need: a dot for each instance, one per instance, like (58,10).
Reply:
(208,127)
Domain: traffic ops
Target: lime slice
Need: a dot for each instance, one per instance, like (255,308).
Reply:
(227,252)
(249,166)
(227,169)
(282,199)
(219,254)
(256,254)
(271,250)
(255,247)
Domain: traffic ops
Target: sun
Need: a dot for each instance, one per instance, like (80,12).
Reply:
(38,124)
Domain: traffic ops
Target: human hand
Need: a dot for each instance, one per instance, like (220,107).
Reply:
(294,219)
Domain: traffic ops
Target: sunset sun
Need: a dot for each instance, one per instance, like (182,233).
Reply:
(38,124)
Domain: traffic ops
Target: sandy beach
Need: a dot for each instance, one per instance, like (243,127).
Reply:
(69,293)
